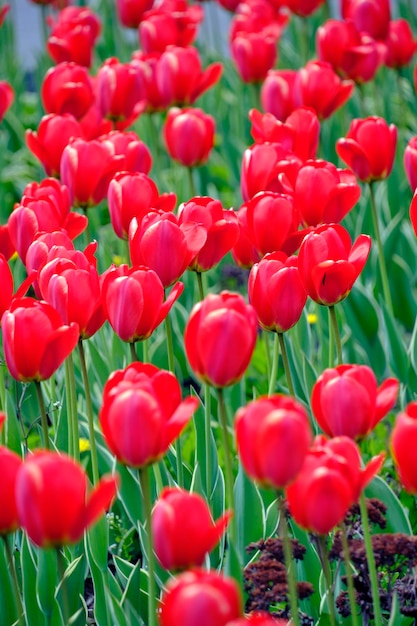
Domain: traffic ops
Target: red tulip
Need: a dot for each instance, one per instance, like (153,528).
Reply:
(370,16)
(147,64)
(268,167)
(53,135)
(276,292)
(172,22)
(352,54)
(180,77)
(277,93)
(38,251)
(7,248)
(413,212)
(67,88)
(73,35)
(120,95)
(53,502)
(221,227)
(324,193)
(35,340)
(183,529)
(134,194)
(258,618)
(369,148)
(329,482)
(3,12)
(254,54)
(346,400)
(159,232)
(273,435)
(44,207)
(410,163)
(130,153)
(133,300)
(142,413)
(403,445)
(7,287)
(400,44)
(318,86)
(304,8)
(244,252)
(6,97)
(220,337)
(181,124)
(200,597)
(10,464)
(329,264)
(131,12)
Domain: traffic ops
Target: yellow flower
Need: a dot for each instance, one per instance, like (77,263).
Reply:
(84,444)
(312,318)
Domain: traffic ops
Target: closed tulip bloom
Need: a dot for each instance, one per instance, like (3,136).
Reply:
(329,264)
(53,502)
(273,435)
(73,35)
(134,301)
(130,154)
(7,287)
(120,95)
(244,252)
(403,443)
(180,125)
(159,232)
(330,481)
(53,135)
(35,340)
(142,413)
(277,93)
(130,12)
(400,44)
(324,193)
(7,248)
(6,97)
(183,529)
(200,597)
(221,227)
(220,338)
(254,54)
(413,212)
(38,252)
(304,8)
(134,194)
(369,148)
(369,16)
(347,401)
(67,88)
(172,22)
(318,86)
(277,292)
(10,464)
(410,163)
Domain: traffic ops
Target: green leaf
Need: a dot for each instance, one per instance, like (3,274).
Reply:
(397,518)
(233,564)
(46,581)
(249,513)
(129,494)
(397,353)
(29,582)
(8,605)
(98,539)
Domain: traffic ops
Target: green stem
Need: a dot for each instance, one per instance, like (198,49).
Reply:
(336,336)
(349,577)
(289,565)
(382,265)
(147,504)
(64,587)
(90,418)
(44,418)
(15,582)
(286,362)
(145,351)
(207,438)
(227,461)
(200,285)
(371,560)
(191,182)
(71,397)
(324,560)
(2,387)
(274,366)
(171,367)
(265,337)
(133,354)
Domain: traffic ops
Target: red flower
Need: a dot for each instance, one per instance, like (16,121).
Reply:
(276,292)
(52,501)
(254,54)
(244,252)
(130,153)
(159,232)
(73,35)
(134,303)
(403,443)
(220,337)
(183,529)
(35,340)
(277,93)
(370,16)
(6,97)
(273,436)
(346,400)
(318,86)
(329,482)
(324,193)
(400,44)
(410,163)
(142,413)
(173,22)
(67,88)
(329,264)
(134,194)
(120,96)
(53,135)
(369,148)
(304,8)
(221,227)
(413,212)
(10,463)
(268,167)
(131,12)
(200,597)
(7,287)
(180,125)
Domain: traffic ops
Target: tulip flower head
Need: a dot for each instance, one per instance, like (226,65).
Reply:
(403,443)
(410,163)
(67,88)
(180,125)
(183,529)
(10,463)
(53,502)
(6,97)
(318,86)
(130,12)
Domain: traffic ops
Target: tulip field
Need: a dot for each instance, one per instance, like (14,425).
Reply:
(208,314)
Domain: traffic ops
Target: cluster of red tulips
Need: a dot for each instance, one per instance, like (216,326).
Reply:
(306,459)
